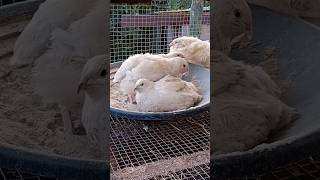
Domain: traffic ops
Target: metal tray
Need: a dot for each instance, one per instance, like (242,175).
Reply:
(203,77)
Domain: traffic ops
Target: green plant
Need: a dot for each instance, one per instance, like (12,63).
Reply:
(179,4)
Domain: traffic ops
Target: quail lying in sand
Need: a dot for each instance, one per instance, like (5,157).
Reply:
(168,94)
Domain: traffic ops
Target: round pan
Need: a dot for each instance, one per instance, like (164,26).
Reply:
(203,77)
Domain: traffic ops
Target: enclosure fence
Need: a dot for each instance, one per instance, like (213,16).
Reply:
(150,28)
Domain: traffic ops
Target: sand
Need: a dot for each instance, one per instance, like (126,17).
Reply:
(117,98)
(25,121)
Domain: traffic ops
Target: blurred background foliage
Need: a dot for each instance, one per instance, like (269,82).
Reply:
(179,4)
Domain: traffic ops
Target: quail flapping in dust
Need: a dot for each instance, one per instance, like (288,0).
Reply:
(35,38)
(93,82)
(56,73)
(168,94)
(152,67)
(193,49)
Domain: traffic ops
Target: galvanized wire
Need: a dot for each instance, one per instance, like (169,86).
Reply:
(195,173)
(134,143)
(149,28)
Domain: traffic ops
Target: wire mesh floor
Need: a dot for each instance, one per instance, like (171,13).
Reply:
(198,172)
(135,143)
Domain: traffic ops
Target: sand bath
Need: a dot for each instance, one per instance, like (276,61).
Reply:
(120,101)
(25,121)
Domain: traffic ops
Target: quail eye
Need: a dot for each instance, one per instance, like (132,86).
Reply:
(142,84)
(103,73)
(237,13)
(184,65)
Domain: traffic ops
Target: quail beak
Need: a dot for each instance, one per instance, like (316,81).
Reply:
(185,74)
(135,88)
(242,40)
(237,39)
(81,87)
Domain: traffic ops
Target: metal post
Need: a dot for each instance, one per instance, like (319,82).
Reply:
(196,18)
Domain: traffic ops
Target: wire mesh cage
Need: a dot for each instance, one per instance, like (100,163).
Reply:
(136,145)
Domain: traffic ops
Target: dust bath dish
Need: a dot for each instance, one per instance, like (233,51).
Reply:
(28,123)
(120,105)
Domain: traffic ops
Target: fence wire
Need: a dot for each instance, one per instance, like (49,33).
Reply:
(150,28)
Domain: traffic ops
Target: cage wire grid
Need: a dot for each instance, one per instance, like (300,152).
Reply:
(149,28)
(136,143)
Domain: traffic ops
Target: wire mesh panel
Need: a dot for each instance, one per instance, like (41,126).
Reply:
(150,28)
(152,141)
(136,143)
(198,172)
